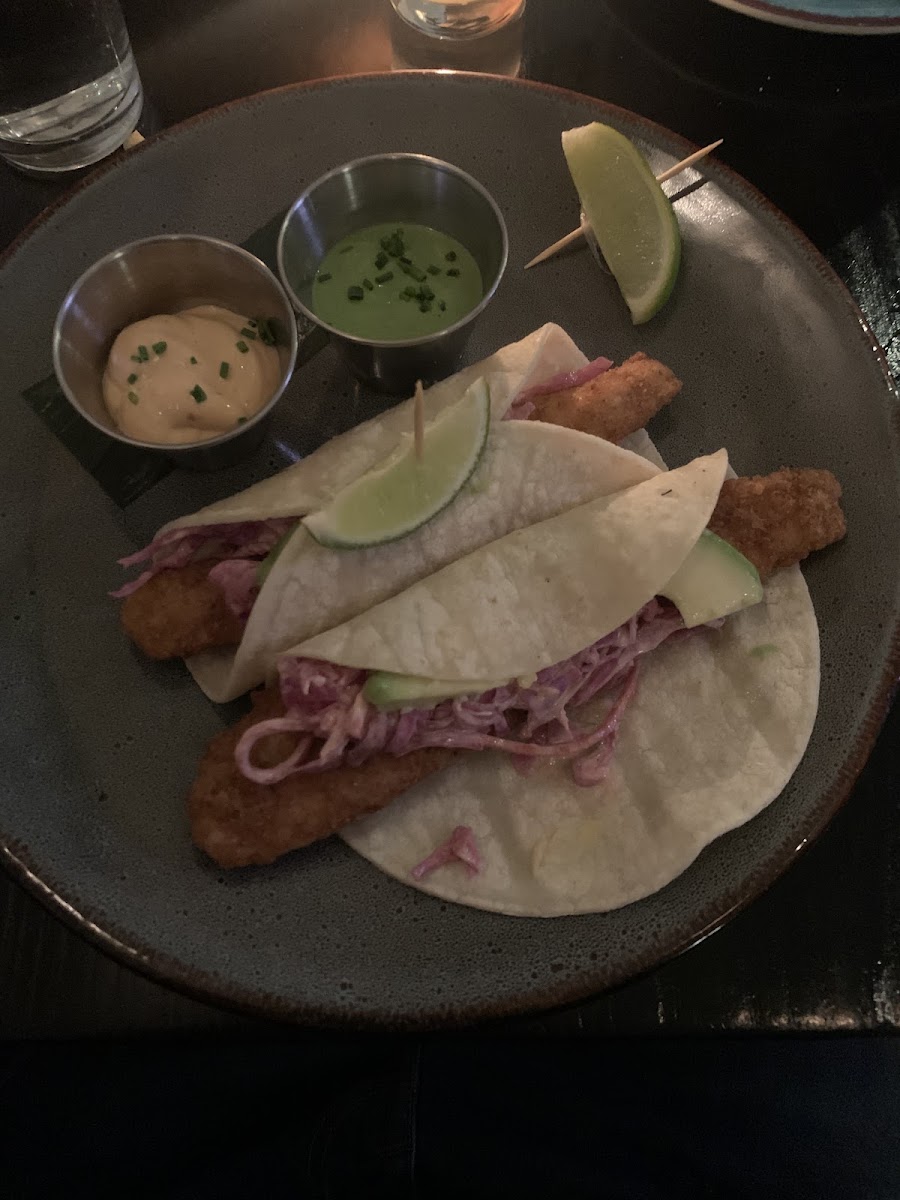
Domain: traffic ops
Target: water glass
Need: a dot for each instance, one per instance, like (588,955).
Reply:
(70,92)
(458,18)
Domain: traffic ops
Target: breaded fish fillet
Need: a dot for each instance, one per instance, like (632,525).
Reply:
(777,520)
(614,404)
(239,823)
(179,612)
(774,520)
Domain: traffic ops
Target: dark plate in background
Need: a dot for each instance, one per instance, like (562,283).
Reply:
(99,746)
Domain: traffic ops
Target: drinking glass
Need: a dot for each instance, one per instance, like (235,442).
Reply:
(70,92)
(458,18)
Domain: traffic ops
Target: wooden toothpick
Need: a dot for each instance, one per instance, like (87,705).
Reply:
(584,227)
(419,420)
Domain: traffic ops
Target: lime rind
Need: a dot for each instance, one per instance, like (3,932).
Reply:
(617,190)
(402,494)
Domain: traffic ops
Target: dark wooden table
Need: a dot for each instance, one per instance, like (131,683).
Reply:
(813,121)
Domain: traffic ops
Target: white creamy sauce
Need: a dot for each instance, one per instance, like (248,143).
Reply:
(188,376)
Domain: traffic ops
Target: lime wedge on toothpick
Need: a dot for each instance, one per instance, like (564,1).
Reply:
(629,213)
(403,493)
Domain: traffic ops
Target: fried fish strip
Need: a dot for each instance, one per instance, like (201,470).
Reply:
(774,520)
(614,404)
(777,520)
(239,823)
(179,612)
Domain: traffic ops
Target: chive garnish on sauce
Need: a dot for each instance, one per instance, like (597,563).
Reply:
(380,260)
(368,285)
(132,378)
(323,276)
(266,332)
(433,270)
(143,354)
(193,361)
(248,333)
(224,368)
(453,272)
(346,249)
(355,292)
(159,347)
(198,393)
(242,346)
(242,420)
(133,397)
(385,277)
(450,256)
(442,306)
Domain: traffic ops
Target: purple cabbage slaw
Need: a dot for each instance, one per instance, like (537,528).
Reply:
(249,541)
(460,846)
(336,726)
(523,405)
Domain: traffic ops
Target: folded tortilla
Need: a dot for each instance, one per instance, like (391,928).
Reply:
(720,722)
(530,471)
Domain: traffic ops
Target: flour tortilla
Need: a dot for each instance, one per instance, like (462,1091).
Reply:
(540,594)
(719,725)
(310,483)
(530,471)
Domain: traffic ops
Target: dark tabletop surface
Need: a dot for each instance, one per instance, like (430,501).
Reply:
(813,121)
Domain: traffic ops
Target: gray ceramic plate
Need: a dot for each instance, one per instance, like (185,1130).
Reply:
(98,745)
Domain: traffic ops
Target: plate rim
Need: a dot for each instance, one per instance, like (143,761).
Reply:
(797,17)
(209,987)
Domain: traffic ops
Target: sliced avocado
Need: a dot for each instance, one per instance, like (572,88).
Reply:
(715,580)
(262,571)
(387,691)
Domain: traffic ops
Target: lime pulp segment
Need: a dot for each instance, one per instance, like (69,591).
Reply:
(405,492)
(631,216)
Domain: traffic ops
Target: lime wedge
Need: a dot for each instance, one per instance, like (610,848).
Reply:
(403,493)
(630,214)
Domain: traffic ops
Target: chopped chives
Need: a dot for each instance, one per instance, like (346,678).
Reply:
(346,249)
(242,420)
(425,306)
(249,333)
(252,324)
(133,397)
(453,272)
(355,292)
(224,368)
(143,354)
(132,378)
(433,270)
(159,347)
(198,393)
(385,277)
(193,361)
(450,256)
(136,358)
(380,260)
(242,346)
(405,296)
(442,306)
(323,276)
(267,332)
(407,262)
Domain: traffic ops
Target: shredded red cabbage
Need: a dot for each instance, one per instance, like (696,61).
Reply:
(178,547)
(460,846)
(336,725)
(522,406)
(236,579)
